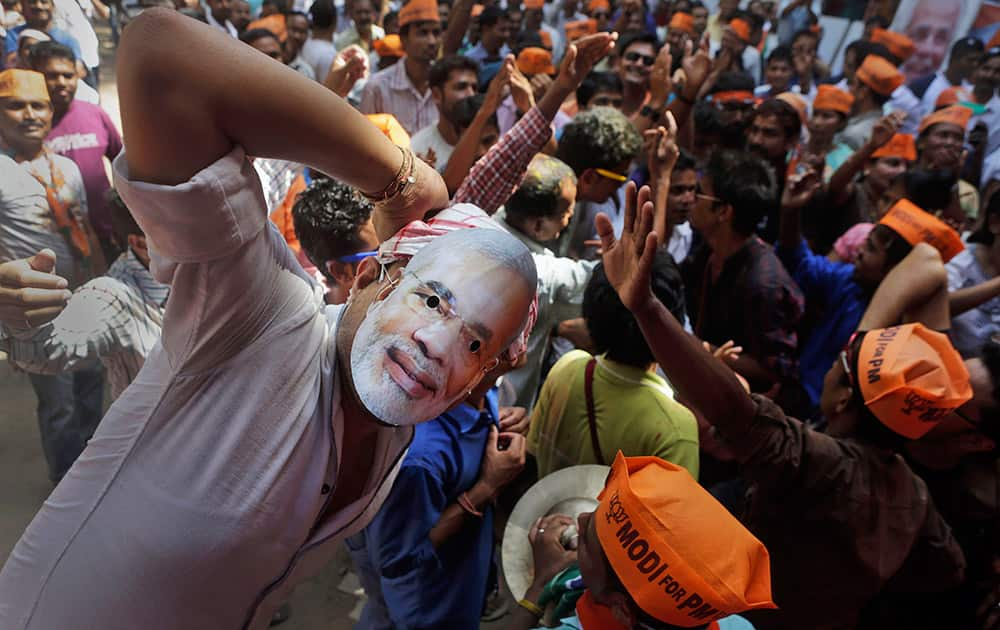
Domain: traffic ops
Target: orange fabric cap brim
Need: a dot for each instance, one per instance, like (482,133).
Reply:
(23,84)
(898,44)
(661,532)
(900,145)
(879,75)
(911,377)
(419,11)
(535,61)
(682,22)
(834,99)
(917,226)
(741,27)
(952,115)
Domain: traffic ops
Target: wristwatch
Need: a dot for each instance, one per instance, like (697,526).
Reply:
(649,113)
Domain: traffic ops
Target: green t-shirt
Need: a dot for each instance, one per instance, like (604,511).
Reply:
(636,414)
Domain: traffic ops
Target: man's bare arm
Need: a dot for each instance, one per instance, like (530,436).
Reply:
(189,94)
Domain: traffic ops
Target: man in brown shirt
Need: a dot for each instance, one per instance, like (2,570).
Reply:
(842,514)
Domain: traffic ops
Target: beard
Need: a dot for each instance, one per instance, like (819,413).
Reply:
(383,397)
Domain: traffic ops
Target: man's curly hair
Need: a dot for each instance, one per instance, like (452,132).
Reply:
(601,137)
(328,216)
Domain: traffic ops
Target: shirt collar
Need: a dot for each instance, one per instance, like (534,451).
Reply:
(469,418)
(399,80)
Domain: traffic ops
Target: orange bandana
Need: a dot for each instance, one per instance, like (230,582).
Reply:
(732,95)
(741,27)
(952,115)
(917,226)
(911,377)
(580,28)
(879,75)
(23,84)
(900,145)
(535,61)
(901,46)
(682,22)
(834,99)
(419,11)
(661,532)
(389,46)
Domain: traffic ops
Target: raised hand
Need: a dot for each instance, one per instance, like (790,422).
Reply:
(350,66)
(800,189)
(663,150)
(885,128)
(660,81)
(580,57)
(629,260)
(495,91)
(697,65)
(30,292)
(521,92)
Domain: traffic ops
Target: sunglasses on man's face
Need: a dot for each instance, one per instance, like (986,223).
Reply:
(647,60)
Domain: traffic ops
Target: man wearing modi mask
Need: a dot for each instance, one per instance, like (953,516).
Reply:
(265,427)
(658,553)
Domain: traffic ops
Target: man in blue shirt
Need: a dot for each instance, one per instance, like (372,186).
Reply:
(38,15)
(424,560)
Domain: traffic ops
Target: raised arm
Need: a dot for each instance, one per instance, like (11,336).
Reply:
(968,298)
(458,24)
(916,290)
(182,111)
(842,179)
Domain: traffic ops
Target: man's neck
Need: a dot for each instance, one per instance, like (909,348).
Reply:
(24,153)
(44,27)
(633,96)
(983,93)
(820,145)
(58,113)
(365,33)
(417,72)
(725,245)
(447,130)
(324,33)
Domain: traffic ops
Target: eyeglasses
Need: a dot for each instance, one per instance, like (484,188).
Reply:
(618,177)
(647,60)
(353,258)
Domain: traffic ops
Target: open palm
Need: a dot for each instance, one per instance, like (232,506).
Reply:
(629,260)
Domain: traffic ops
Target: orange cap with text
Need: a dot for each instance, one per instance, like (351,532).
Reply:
(900,145)
(832,98)
(879,75)
(535,60)
(682,21)
(389,46)
(534,4)
(388,125)
(419,11)
(741,27)
(593,5)
(901,46)
(580,28)
(958,115)
(23,84)
(952,96)
(680,554)
(911,377)
(918,226)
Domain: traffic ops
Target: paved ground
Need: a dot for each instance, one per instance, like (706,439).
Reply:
(328,602)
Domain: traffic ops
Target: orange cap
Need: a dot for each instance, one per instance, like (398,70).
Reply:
(419,11)
(389,46)
(917,226)
(741,27)
(476,10)
(682,21)
(911,377)
(546,39)
(901,46)
(732,95)
(274,23)
(388,125)
(593,5)
(834,99)
(661,532)
(879,75)
(900,145)
(580,28)
(535,61)
(952,96)
(953,115)
(534,4)
(24,84)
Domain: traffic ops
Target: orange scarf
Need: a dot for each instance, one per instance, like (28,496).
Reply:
(69,223)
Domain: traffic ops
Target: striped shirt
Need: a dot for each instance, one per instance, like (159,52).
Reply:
(116,318)
(390,91)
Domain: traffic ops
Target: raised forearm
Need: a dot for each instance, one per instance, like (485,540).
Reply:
(661,191)
(916,290)
(464,155)
(458,24)
(454,518)
(839,184)
(969,298)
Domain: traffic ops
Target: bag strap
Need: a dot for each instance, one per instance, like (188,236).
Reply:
(588,389)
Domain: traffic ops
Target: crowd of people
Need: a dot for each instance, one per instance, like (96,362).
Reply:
(434,255)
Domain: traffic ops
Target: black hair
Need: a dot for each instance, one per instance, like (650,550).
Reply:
(627,39)
(788,117)
(598,82)
(40,53)
(123,223)
(491,15)
(878,21)
(467,108)
(863,47)
(781,53)
(254,34)
(930,190)
(613,327)
(706,120)
(734,81)
(444,66)
(966,46)
(745,182)
(982,234)
(685,162)
(755,21)
(527,39)
(803,33)
(600,137)
(300,14)
(327,217)
(323,14)
(897,247)
(869,428)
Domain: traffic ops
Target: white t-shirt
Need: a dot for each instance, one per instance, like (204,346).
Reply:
(319,53)
(430,145)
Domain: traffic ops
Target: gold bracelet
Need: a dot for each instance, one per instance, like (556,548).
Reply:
(531,607)
(404,177)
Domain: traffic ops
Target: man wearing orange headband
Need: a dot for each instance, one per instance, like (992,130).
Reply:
(867,517)
(872,86)
(43,205)
(651,556)
(403,89)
